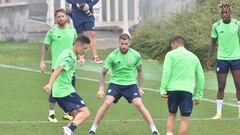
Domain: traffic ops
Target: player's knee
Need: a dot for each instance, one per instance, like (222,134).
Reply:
(172,115)
(107,104)
(221,88)
(139,105)
(87,113)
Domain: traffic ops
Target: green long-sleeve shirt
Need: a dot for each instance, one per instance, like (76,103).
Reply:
(181,70)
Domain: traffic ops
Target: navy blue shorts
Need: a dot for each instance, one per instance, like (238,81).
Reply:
(51,99)
(223,66)
(85,26)
(129,92)
(180,99)
(70,102)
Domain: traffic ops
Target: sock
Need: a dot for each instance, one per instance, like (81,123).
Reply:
(94,127)
(238,102)
(72,126)
(219,106)
(169,133)
(153,127)
(51,112)
(65,113)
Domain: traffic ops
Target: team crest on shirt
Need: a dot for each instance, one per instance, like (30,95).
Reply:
(233,30)
(69,34)
(109,90)
(130,62)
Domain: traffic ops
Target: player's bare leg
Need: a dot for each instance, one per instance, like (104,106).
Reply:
(137,102)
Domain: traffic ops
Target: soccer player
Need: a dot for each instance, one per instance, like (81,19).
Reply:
(124,63)
(58,38)
(83,20)
(225,33)
(181,69)
(61,88)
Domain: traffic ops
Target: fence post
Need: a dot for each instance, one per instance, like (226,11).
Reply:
(116,10)
(125,17)
(62,4)
(108,11)
(100,11)
(136,11)
(50,12)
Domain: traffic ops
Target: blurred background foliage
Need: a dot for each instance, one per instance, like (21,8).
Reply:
(193,23)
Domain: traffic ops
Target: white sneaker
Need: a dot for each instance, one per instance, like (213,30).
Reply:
(67,131)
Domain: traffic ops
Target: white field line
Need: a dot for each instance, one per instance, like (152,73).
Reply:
(95,80)
(113,120)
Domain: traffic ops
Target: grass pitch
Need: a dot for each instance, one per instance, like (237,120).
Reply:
(24,105)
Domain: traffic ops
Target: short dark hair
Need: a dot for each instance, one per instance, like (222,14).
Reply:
(226,5)
(124,36)
(83,39)
(178,39)
(59,10)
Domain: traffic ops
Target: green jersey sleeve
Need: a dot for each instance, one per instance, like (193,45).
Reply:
(48,38)
(214,32)
(108,62)
(200,81)
(67,63)
(139,60)
(238,23)
(167,64)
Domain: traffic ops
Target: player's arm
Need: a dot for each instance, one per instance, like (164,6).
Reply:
(91,4)
(102,79)
(210,52)
(87,6)
(47,88)
(140,79)
(238,23)
(167,65)
(75,2)
(42,58)
(200,83)
(80,4)
(214,35)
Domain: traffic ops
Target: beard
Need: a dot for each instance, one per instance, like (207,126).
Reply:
(62,23)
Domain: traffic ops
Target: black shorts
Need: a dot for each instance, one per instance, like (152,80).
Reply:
(85,26)
(180,99)
(223,66)
(70,102)
(129,92)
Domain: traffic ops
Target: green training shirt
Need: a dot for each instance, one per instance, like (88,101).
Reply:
(228,39)
(60,39)
(181,69)
(62,86)
(123,66)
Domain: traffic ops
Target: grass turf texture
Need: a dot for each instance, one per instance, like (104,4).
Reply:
(24,105)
